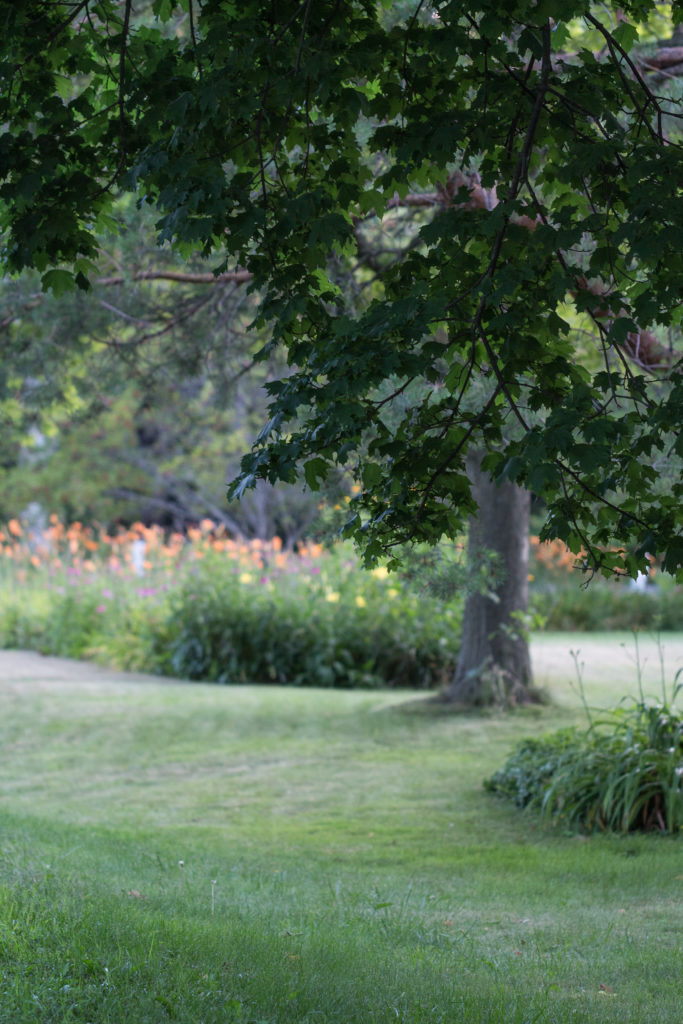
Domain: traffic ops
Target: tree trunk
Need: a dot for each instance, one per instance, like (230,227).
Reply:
(494,664)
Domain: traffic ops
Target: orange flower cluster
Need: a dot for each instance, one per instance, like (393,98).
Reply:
(90,549)
(554,554)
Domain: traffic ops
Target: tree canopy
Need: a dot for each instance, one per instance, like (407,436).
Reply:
(462,222)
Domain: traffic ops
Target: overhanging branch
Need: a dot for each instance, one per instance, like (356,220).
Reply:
(182,276)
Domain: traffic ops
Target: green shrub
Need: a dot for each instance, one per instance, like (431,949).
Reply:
(57,623)
(319,621)
(23,627)
(623,773)
(530,768)
(71,621)
(341,628)
(606,606)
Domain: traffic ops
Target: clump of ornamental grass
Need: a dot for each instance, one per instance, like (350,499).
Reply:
(622,773)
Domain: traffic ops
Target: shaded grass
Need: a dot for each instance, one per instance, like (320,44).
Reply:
(361,873)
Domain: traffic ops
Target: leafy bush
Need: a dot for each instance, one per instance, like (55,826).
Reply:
(607,606)
(623,773)
(249,614)
(335,627)
(23,626)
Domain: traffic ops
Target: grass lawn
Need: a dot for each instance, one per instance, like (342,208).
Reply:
(203,854)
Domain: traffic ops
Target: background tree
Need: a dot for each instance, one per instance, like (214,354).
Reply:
(540,145)
(134,400)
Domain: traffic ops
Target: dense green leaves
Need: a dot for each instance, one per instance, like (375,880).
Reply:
(463,223)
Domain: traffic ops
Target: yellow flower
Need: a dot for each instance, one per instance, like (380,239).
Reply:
(332,596)
(392,592)
(246,577)
(360,602)
(380,573)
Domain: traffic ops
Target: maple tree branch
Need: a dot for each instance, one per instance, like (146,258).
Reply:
(77,8)
(598,497)
(122,82)
(178,276)
(666,57)
(185,277)
(614,47)
(453,454)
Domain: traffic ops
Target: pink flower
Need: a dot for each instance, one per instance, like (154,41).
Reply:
(101,608)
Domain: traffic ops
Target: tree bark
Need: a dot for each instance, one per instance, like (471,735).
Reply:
(494,665)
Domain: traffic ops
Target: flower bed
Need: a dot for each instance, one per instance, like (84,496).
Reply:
(206,607)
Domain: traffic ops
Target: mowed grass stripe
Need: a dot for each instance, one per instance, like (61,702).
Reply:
(340,862)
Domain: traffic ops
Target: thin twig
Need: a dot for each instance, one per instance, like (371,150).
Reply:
(409,29)
(599,497)
(194,38)
(452,455)
(302,37)
(122,81)
(613,45)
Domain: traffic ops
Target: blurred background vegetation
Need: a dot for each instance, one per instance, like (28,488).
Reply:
(123,411)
